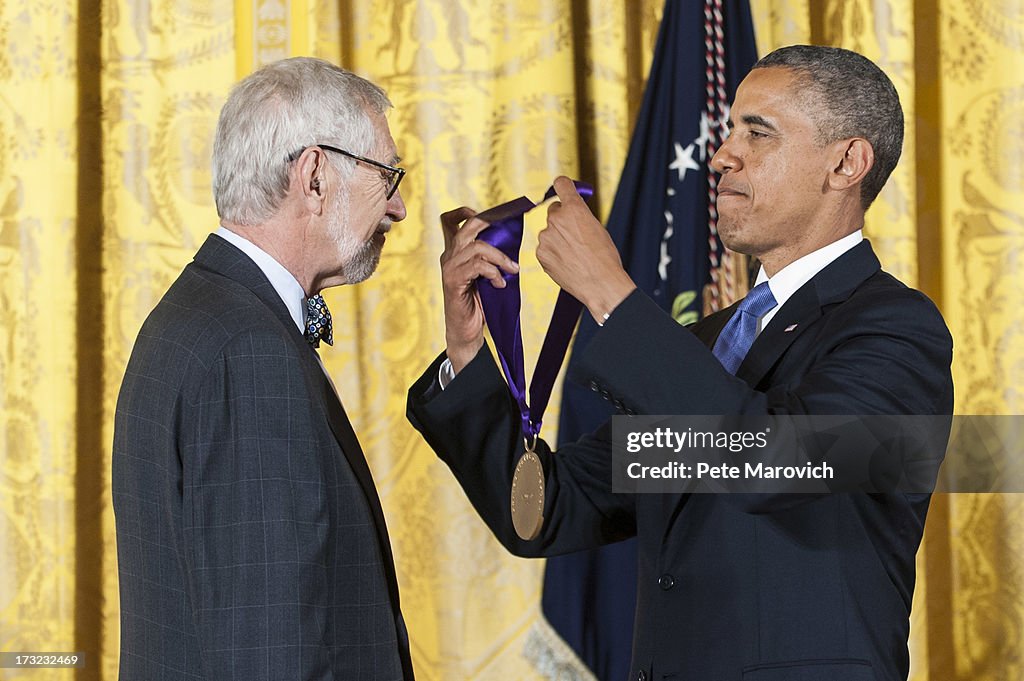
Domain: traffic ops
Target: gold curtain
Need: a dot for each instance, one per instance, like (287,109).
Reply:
(492,99)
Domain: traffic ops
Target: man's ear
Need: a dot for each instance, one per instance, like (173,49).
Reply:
(311,168)
(854,158)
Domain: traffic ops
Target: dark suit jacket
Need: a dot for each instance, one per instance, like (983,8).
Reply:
(760,588)
(250,538)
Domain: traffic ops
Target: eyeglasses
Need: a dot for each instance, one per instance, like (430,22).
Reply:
(392,175)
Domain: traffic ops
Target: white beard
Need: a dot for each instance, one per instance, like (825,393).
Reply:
(359,259)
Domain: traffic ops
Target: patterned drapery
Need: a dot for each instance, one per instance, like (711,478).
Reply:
(107,110)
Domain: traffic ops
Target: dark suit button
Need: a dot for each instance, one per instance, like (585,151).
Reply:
(666,582)
(593,386)
(641,676)
(605,394)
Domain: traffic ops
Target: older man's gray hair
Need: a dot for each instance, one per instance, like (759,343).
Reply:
(278,111)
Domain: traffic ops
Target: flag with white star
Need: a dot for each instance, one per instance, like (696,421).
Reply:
(662,221)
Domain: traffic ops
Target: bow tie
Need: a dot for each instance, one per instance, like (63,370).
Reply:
(318,322)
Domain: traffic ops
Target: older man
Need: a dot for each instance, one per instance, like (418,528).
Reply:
(754,587)
(251,542)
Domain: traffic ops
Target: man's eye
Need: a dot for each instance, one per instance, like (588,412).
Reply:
(758,134)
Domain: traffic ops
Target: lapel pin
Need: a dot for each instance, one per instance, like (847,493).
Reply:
(789,328)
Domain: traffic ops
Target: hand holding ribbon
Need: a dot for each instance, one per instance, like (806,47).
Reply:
(479,271)
(501,303)
(577,252)
(465,259)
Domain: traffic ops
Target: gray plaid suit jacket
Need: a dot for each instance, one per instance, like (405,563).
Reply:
(251,543)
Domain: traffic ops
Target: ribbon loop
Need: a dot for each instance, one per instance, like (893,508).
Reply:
(502,309)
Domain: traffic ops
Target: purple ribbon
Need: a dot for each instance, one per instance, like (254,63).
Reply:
(502,308)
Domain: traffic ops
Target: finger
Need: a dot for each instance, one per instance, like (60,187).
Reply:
(492,274)
(453,217)
(451,220)
(487,253)
(471,230)
(546,239)
(495,257)
(565,189)
(463,276)
(553,208)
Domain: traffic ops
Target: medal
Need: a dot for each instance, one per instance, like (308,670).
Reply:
(502,310)
(528,495)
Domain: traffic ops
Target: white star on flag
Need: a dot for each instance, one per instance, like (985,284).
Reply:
(705,135)
(664,259)
(684,160)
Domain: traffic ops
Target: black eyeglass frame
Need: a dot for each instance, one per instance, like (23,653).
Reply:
(396,173)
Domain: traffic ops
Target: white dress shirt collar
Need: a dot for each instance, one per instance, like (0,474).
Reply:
(286,285)
(790,278)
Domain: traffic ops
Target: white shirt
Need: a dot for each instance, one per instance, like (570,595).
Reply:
(286,285)
(790,278)
(783,285)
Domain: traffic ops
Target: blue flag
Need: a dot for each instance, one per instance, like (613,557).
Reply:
(662,221)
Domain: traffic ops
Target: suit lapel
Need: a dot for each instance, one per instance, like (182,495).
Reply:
(834,284)
(802,309)
(320,385)
(346,437)
(218,255)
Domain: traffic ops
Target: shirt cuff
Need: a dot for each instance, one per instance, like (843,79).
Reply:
(445,373)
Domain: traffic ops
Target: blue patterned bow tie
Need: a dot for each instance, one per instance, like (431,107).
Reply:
(738,334)
(318,322)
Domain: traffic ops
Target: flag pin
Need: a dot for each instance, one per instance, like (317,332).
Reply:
(789,328)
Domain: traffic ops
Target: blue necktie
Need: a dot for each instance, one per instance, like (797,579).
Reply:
(738,335)
(318,322)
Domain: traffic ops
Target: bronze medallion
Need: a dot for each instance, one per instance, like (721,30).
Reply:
(528,496)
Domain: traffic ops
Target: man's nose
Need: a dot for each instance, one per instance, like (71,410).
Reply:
(396,207)
(725,159)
